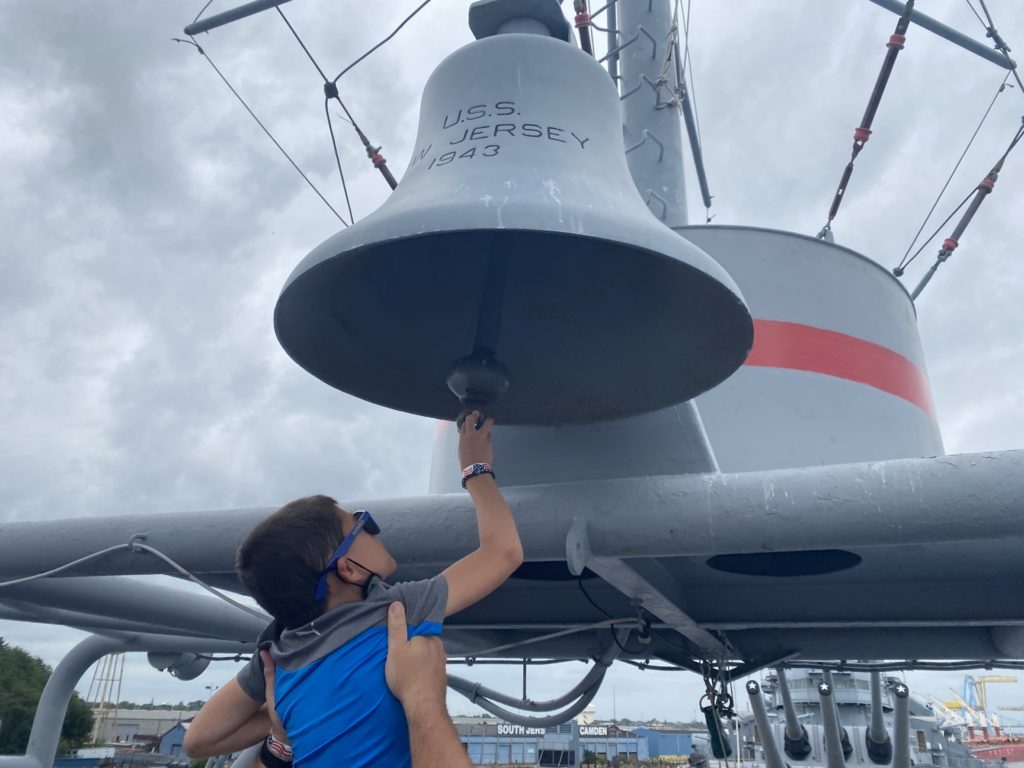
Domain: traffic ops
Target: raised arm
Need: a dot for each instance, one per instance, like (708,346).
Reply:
(500,552)
(229,722)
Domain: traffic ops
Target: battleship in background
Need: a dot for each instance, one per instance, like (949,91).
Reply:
(822,719)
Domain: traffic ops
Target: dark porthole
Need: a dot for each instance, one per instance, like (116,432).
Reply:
(549,570)
(799,563)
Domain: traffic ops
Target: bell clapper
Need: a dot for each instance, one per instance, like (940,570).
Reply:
(477,380)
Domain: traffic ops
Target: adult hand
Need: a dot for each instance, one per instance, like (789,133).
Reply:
(415,673)
(415,669)
(276,728)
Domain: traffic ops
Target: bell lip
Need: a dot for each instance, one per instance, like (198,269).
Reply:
(741,322)
(691,254)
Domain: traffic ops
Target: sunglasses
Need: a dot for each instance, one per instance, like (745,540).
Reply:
(363,522)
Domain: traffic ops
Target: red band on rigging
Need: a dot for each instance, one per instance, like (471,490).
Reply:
(950,244)
(799,347)
(896,41)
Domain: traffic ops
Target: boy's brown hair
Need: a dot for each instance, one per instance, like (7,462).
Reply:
(281,560)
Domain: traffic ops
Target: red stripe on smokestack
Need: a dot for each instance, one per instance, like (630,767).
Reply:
(801,347)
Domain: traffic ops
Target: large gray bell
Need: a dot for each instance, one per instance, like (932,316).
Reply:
(517,237)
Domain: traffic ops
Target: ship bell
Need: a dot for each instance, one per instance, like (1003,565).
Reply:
(516,260)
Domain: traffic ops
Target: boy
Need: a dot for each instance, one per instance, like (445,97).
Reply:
(319,570)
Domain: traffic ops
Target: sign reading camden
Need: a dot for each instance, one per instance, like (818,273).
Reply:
(506,729)
(466,128)
(593,730)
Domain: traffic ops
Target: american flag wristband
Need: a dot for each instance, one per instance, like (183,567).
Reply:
(474,470)
(280,749)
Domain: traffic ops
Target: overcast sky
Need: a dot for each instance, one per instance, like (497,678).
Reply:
(148,226)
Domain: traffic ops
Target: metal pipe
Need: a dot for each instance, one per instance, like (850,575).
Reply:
(967,497)
(53,703)
(477,696)
(772,756)
(901,727)
(794,730)
(954,36)
(248,757)
(830,723)
(660,171)
(234,14)
(844,737)
(135,600)
(950,244)
(88,622)
(879,745)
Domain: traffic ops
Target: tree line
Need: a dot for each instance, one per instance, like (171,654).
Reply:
(22,677)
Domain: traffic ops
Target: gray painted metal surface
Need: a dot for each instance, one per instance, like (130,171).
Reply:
(140,603)
(830,720)
(901,728)
(226,17)
(518,184)
(653,135)
(949,525)
(773,757)
(822,313)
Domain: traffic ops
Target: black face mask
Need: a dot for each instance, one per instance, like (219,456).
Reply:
(369,579)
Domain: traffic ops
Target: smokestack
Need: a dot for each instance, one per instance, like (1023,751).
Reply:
(879,744)
(830,722)
(772,756)
(901,728)
(795,741)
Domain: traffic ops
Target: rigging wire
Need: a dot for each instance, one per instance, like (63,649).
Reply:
(997,40)
(612,623)
(205,55)
(337,156)
(899,268)
(590,600)
(975,12)
(299,40)
(202,10)
(394,32)
(688,68)
(863,132)
(135,545)
(980,192)
(898,271)
(329,93)
(65,567)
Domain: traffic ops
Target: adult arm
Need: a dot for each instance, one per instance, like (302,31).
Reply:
(500,552)
(415,673)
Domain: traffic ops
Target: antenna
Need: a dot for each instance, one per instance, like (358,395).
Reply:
(106,688)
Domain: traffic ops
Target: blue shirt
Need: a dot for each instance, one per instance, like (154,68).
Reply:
(338,710)
(330,691)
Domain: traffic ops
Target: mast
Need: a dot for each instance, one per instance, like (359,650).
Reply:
(652,128)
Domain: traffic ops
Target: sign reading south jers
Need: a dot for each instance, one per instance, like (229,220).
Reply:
(467,128)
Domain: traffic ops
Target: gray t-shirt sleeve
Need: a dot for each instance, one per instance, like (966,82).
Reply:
(250,678)
(424,600)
